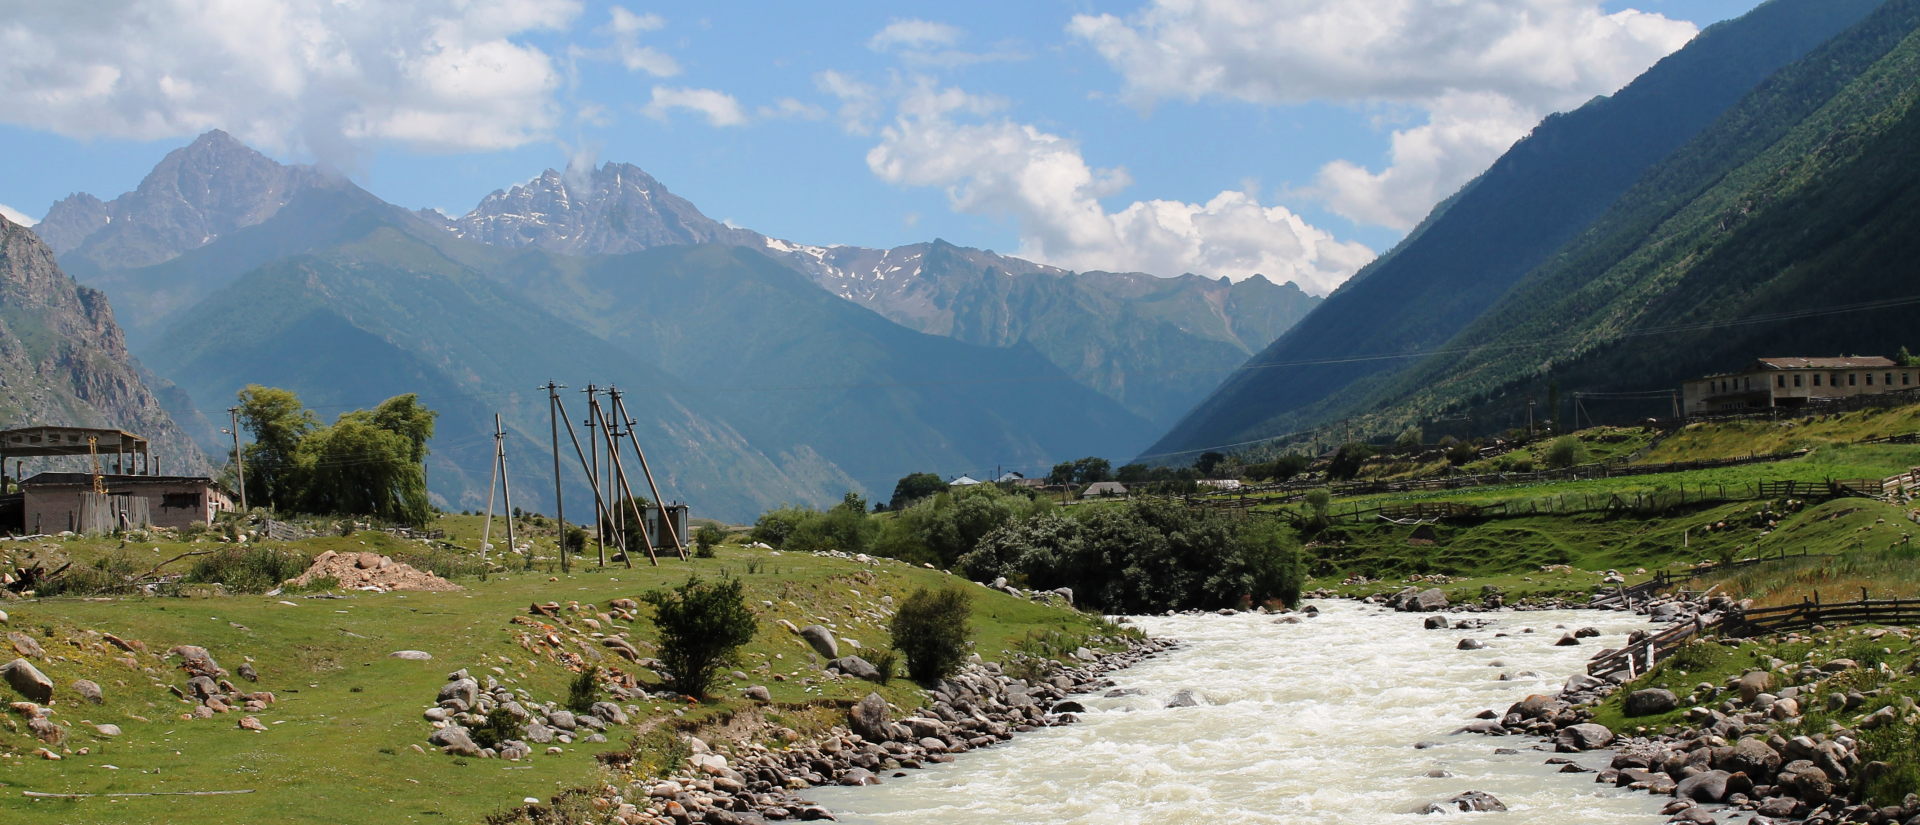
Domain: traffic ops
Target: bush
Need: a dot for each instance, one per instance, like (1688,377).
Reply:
(248,569)
(1565,451)
(1348,460)
(1462,453)
(702,627)
(501,725)
(1410,440)
(584,690)
(105,575)
(774,526)
(931,628)
(705,539)
(888,663)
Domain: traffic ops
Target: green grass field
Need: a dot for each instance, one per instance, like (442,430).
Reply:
(339,744)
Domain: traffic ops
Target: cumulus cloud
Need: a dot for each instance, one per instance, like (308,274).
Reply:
(625,28)
(1484,70)
(17,216)
(719,108)
(991,165)
(436,75)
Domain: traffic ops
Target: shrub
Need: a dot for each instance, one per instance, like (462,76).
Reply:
(1409,441)
(1348,460)
(702,627)
(887,662)
(576,541)
(1462,453)
(705,539)
(1565,451)
(931,628)
(501,725)
(774,526)
(584,690)
(113,573)
(248,569)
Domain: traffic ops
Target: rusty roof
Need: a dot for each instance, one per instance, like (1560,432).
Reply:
(51,441)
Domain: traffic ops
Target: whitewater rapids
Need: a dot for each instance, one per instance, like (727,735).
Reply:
(1313,722)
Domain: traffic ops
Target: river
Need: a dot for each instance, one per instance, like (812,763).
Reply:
(1314,722)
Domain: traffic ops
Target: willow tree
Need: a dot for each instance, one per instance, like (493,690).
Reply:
(278,423)
(367,463)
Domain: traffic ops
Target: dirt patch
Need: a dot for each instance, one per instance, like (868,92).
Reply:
(370,571)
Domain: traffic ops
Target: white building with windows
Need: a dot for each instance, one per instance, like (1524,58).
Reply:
(1792,382)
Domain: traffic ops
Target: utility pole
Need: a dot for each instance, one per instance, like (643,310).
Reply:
(493,481)
(626,504)
(593,470)
(598,502)
(559,509)
(239,461)
(607,434)
(1529,418)
(666,520)
(506,484)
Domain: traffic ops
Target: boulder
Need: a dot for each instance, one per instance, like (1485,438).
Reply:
(1427,601)
(106,730)
(27,680)
(1183,699)
(1566,640)
(454,740)
(758,693)
(1583,737)
(1752,684)
(869,718)
(411,655)
(1471,644)
(1469,802)
(1753,757)
(1650,701)
(89,690)
(464,688)
(608,712)
(856,667)
(1436,623)
(1709,786)
(822,641)
(26,646)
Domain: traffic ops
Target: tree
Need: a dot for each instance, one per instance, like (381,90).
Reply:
(775,526)
(278,422)
(619,514)
(846,528)
(1092,469)
(1565,451)
(1461,452)
(1208,462)
(1907,359)
(702,627)
(931,628)
(1062,473)
(1409,441)
(368,462)
(914,487)
(705,539)
(1348,460)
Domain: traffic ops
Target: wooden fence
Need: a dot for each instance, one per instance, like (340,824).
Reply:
(1637,657)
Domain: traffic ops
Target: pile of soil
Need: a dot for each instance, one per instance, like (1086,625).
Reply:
(370,571)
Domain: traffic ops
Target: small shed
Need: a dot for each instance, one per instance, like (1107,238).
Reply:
(1104,489)
(963,481)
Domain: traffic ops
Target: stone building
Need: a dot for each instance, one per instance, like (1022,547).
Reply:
(1792,382)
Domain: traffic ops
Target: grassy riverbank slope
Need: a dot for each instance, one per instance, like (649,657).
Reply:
(339,741)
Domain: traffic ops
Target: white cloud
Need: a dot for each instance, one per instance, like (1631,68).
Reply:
(861,105)
(626,27)
(1484,71)
(719,108)
(994,166)
(438,75)
(17,216)
(788,107)
(914,34)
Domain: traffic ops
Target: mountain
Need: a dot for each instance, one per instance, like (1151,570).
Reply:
(197,193)
(790,364)
(1477,245)
(1153,344)
(64,361)
(387,313)
(1783,228)
(610,209)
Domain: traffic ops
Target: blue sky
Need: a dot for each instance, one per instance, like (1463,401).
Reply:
(1290,137)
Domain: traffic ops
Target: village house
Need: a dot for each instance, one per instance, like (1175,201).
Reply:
(1104,489)
(1792,382)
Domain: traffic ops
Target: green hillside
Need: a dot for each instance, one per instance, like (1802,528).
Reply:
(1780,230)
(1474,247)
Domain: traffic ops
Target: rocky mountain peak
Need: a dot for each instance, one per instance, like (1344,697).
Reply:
(614,208)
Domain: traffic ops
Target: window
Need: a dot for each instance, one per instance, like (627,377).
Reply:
(1889,381)
(1796,380)
(1906,378)
(1869,379)
(1816,379)
(1853,379)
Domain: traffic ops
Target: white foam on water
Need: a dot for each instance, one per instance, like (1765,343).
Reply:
(1314,722)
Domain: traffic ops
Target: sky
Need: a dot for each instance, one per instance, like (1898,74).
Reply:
(1291,138)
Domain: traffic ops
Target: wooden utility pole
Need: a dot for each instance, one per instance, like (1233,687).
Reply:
(603,434)
(593,469)
(493,481)
(673,532)
(618,513)
(506,483)
(599,504)
(559,509)
(239,460)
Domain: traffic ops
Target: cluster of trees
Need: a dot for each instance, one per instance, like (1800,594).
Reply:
(1087,470)
(366,463)
(937,529)
(1148,555)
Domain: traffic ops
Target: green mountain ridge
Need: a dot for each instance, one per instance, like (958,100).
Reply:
(1476,246)
(1788,227)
